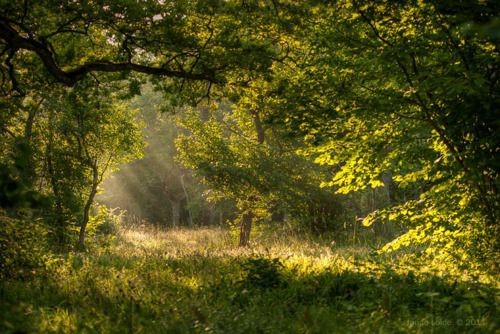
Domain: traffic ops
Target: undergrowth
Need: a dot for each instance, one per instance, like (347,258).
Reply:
(198,281)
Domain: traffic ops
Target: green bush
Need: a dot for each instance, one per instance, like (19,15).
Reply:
(262,273)
(22,246)
(104,222)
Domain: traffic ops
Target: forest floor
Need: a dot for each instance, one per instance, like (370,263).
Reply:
(197,281)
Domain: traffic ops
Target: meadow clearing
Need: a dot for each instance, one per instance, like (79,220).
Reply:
(146,280)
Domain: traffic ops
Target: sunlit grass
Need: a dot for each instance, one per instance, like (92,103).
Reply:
(217,242)
(196,280)
(177,241)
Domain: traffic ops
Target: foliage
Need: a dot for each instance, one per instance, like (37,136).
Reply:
(403,96)
(326,113)
(404,91)
(150,188)
(190,45)
(104,222)
(64,142)
(22,247)
(265,177)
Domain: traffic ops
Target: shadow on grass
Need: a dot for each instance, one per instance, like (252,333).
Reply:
(113,293)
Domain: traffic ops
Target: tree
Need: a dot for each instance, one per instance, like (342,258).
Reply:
(237,158)
(106,134)
(194,44)
(73,138)
(408,90)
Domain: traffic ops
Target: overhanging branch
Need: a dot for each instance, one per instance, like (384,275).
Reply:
(16,42)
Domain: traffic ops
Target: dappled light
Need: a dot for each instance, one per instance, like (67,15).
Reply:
(257,166)
(180,280)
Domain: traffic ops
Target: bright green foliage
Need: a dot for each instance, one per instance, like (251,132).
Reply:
(406,91)
(264,178)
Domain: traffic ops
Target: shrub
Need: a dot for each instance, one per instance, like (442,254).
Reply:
(104,222)
(262,273)
(23,244)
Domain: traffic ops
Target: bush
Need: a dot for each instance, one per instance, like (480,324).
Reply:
(263,273)
(106,222)
(23,244)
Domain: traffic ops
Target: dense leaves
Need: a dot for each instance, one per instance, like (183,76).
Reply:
(405,96)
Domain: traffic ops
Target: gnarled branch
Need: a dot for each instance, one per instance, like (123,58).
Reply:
(16,41)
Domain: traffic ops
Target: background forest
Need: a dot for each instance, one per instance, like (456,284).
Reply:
(249,166)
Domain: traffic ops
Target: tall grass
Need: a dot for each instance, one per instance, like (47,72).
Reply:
(192,281)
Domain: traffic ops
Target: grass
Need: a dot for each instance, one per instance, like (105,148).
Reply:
(197,281)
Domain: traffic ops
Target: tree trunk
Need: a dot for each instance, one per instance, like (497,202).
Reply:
(176,212)
(204,113)
(186,195)
(390,187)
(245,229)
(258,128)
(88,206)
(246,219)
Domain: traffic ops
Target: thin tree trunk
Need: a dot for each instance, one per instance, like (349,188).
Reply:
(190,216)
(88,206)
(246,219)
(204,113)
(245,229)
(390,187)
(258,128)
(176,212)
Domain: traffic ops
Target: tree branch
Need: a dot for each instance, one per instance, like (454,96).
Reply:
(371,24)
(17,42)
(12,72)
